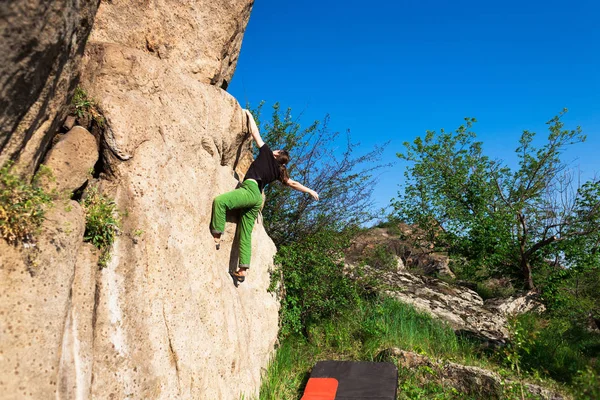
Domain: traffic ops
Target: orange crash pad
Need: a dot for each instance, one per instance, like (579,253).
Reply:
(320,389)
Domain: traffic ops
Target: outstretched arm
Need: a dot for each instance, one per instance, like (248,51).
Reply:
(254,129)
(301,188)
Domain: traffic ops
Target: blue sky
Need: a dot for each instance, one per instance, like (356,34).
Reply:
(390,70)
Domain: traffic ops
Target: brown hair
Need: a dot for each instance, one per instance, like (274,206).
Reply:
(282,159)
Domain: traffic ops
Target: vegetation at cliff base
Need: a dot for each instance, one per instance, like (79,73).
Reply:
(22,205)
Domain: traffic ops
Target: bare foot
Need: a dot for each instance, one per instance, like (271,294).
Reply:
(217,239)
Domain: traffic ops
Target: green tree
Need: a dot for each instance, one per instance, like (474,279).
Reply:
(344,180)
(510,220)
(312,277)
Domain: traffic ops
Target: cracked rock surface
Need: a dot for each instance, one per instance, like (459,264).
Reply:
(163,319)
(462,308)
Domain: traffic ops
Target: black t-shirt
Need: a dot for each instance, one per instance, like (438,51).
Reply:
(265,169)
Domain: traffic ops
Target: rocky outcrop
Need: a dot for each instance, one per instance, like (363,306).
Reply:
(173,144)
(41,45)
(467,380)
(406,244)
(515,305)
(201,38)
(462,308)
(163,319)
(71,161)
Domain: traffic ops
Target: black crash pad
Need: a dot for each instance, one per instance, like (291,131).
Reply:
(360,379)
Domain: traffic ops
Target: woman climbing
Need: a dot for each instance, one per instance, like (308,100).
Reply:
(268,166)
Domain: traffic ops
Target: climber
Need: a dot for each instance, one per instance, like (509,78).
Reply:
(268,166)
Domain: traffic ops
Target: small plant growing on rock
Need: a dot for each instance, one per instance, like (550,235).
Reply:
(22,205)
(102,222)
(83,107)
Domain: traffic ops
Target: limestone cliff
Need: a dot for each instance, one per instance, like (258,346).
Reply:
(163,319)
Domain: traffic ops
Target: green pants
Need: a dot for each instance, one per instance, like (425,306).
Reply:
(249,199)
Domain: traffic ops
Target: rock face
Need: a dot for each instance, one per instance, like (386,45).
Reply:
(200,37)
(41,46)
(47,294)
(169,319)
(163,319)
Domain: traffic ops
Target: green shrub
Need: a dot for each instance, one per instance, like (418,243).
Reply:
(556,347)
(587,384)
(22,205)
(102,221)
(381,257)
(82,107)
(313,279)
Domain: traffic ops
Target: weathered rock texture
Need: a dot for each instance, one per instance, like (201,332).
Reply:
(467,380)
(41,43)
(163,320)
(170,323)
(70,160)
(200,37)
(45,312)
(462,308)
(407,244)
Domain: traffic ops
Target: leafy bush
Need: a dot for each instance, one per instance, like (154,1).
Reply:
(313,279)
(102,221)
(587,384)
(21,205)
(382,258)
(556,347)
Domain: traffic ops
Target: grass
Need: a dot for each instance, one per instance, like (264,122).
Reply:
(22,205)
(564,351)
(375,325)
(360,334)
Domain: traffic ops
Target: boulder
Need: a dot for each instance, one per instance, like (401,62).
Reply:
(41,45)
(515,305)
(462,308)
(70,160)
(163,319)
(201,37)
(169,321)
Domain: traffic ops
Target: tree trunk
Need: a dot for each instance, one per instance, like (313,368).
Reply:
(526,270)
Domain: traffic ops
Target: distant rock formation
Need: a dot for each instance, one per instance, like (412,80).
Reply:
(163,319)
(462,308)
(407,244)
